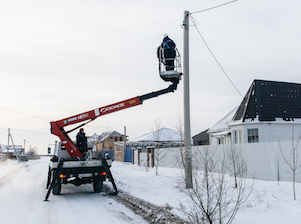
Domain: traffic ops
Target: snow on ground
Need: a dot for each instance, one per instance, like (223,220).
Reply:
(7,166)
(270,202)
(22,191)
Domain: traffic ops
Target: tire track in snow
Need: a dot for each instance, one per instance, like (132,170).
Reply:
(148,211)
(9,175)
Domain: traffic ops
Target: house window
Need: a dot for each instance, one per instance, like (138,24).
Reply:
(253,135)
(120,138)
(115,139)
(237,136)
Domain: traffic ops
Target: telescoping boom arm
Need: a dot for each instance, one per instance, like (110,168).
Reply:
(57,127)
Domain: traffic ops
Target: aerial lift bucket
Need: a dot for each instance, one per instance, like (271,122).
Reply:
(166,73)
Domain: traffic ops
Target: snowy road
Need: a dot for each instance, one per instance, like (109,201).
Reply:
(22,191)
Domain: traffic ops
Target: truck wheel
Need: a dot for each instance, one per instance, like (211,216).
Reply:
(97,186)
(56,190)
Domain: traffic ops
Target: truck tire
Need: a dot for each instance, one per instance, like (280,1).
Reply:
(56,189)
(97,186)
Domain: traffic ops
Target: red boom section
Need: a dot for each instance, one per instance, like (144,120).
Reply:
(57,126)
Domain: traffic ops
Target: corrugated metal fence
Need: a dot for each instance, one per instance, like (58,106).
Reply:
(265,161)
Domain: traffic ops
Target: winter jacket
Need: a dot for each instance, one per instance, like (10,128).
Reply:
(169,48)
(81,140)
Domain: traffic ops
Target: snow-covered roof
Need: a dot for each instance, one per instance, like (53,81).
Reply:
(105,135)
(10,149)
(223,124)
(161,135)
(93,139)
(3,147)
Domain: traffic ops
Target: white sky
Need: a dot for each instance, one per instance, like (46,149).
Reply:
(61,58)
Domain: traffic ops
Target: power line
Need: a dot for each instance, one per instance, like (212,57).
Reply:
(19,140)
(24,113)
(214,7)
(36,132)
(193,21)
(44,133)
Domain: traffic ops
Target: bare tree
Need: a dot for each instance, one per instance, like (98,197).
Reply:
(179,151)
(237,165)
(292,161)
(32,150)
(159,153)
(214,198)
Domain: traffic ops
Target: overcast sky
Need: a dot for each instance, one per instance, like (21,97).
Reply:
(64,57)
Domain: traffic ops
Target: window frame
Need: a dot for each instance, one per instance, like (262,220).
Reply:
(237,136)
(253,135)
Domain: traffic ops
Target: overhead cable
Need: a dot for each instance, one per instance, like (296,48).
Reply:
(214,7)
(193,21)
(24,113)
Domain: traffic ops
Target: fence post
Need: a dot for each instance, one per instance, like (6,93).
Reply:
(139,151)
(133,155)
(147,156)
(152,157)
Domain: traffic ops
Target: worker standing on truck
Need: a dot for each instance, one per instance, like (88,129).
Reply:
(81,141)
(169,48)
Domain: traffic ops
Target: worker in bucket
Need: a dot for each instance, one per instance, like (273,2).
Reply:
(169,52)
(81,141)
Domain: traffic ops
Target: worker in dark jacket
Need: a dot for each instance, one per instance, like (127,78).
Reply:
(169,52)
(81,141)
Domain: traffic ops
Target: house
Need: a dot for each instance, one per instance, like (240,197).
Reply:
(269,112)
(106,140)
(11,150)
(201,138)
(163,138)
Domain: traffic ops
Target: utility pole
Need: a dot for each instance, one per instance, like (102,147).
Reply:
(124,151)
(17,154)
(8,142)
(187,134)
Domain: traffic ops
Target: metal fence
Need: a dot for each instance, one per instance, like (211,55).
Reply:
(265,161)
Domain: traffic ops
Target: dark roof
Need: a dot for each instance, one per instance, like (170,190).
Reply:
(201,138)
(270,100)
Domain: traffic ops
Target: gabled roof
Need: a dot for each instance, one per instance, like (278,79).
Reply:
(223,124)
(161,135)
(268,100)
(106,135)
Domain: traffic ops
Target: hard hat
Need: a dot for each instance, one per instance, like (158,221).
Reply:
(165,35)
(81,129)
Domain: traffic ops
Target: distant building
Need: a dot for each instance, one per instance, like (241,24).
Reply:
(106,140)
(201,138)
(12,151)
(163,138)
